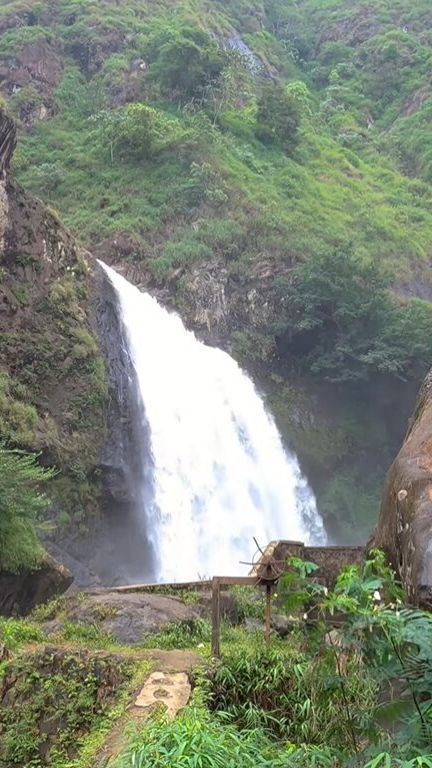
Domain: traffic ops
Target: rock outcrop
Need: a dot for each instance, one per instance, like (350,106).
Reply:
(52,376)
(21,592)
(404,529)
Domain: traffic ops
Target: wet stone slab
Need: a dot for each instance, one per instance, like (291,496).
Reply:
(172,689)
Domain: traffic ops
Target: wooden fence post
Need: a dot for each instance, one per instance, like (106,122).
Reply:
(215,646)
(268,614)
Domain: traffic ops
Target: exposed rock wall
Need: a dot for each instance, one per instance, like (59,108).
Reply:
(52,377)
(125,457)
(404,529)
(20,593)
(330,560)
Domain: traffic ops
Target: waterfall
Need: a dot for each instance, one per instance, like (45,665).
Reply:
(220,475)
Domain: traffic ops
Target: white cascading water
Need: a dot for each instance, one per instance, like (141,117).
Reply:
(220,472)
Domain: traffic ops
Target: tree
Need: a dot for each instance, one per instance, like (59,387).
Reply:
(185,60)
(342,323)
(21,503)
(138,131)
(279,116)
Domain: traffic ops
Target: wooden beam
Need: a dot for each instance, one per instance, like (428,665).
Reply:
(157,587)
(268,614)
(227,581)
(176,585)
(215,643)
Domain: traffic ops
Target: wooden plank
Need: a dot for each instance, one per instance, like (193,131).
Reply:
(155,587)
(226,581)
(176,585)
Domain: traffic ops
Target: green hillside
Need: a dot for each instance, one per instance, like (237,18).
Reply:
(283,145)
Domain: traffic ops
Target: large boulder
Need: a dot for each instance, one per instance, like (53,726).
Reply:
(404,529)
(21,592)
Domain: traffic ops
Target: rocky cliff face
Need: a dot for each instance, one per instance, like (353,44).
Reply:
(58,327)
(53,386)
(345,436)
(404,528)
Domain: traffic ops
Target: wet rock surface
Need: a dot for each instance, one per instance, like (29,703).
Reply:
(21,592)
(404,529)
(127,617)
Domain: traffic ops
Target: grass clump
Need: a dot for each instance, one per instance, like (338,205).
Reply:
(17,632)
(197,739)
(186,634)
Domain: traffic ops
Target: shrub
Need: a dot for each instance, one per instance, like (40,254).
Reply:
(196,740)
(290,694)
(341,321)
(138,131)
(18,419)
(186,634)
(21,503)
(278,117)
(184,59)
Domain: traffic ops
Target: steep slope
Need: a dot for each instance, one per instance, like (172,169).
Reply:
(168,177)
(53,387)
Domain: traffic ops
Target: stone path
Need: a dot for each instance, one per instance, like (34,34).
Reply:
(171,689)
(168,685)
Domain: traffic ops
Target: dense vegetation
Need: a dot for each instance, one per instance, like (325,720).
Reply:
(21,504)
(284,144)
(349,685)
(356,694)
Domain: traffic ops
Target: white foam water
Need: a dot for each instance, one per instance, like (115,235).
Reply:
(221,475)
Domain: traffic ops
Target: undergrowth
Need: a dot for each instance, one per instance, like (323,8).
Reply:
(355,695)
(67,702)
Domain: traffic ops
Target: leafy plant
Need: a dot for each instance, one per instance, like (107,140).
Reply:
(196,740)
(278,117)
(186,634)
(21,503)
(342,323)
(184,59)
(16,632)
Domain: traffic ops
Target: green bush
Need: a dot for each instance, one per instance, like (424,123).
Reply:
(278,117)
(21,503)
(138,131)
(16,632)
(194,740)
(186,634)
(342,323)
(184,59)
(278,690)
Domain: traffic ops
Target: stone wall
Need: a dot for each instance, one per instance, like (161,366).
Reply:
(330,560)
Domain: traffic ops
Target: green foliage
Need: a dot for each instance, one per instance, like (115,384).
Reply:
(16,38)
(278,117)
(61,696)
(249,602)
(389,642)
(17,632)
(197,740)
(18,419)
(86,635)
(183,60)
(21,503)
(344,325)
(138,132)
(186,634)
(290,695)
(49,610)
